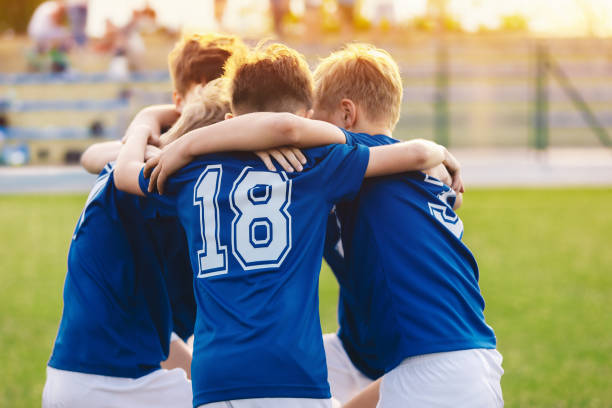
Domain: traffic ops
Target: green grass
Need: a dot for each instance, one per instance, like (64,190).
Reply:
(546,273)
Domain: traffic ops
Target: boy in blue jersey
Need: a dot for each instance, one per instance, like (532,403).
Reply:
(196,59)
(410,309)
(256,236)
(128,286)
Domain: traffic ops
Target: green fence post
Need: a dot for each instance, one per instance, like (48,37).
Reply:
(441,120)
(583,107)
(540,140)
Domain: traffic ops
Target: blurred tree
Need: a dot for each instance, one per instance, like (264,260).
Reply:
(16,14)
(514,23)
(437,18)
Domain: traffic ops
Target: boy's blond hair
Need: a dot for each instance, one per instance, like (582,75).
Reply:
(274,78)
(206,105)
(199,59)
(364,74)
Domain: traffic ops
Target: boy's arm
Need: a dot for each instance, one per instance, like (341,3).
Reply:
(259,131)
(250,132)
(99,155)
(143,130)
(96,156)
(367,398)
(413,155)
(179,357)
(131,160)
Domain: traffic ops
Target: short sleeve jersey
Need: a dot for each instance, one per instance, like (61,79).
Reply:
(408,284)
(127,269)
(256,245)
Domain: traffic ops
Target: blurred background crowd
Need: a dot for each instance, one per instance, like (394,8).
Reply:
(477,73)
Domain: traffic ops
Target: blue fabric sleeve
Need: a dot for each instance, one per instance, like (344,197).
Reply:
(350,137)
(346,167)
(166,204)
(143,182)
(366,139)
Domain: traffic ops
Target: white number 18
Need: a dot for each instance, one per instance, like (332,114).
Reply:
(261,228)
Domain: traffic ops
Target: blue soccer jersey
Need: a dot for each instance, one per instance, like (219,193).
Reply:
(408,285)
(127,269)
(256,245)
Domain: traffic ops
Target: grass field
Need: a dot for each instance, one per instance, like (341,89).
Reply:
(545,260)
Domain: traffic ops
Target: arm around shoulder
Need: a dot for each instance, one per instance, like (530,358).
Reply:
(414,155)
(96,156)
(131,160)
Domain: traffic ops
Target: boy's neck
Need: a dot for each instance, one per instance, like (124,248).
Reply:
(371,129)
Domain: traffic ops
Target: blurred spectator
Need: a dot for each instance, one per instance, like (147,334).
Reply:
(46,27)
(77,14)
(279,8)
(346,9)
(126,43)
(312,18)
(384,14)
(219,11)
(119,67)
(59,60)
(3,126)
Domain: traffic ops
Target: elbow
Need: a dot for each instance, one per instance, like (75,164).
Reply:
(424,157)
(118,177)
(428,154)
(85,159)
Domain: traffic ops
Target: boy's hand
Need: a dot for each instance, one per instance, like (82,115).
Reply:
(155,117)
(172,158)
(151,151)
(454,169)
(290,158)
(441,173)
(141,130)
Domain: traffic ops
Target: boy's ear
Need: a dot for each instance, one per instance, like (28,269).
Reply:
(178,101)
(229,115)
(349,113)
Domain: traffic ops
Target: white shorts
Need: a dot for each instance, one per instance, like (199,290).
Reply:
(457,379)
(345,380)
(161,388)
(272,403)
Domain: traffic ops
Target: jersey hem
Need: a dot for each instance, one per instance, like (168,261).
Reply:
(268,391)
(425,348)
(488,343)
(98,370)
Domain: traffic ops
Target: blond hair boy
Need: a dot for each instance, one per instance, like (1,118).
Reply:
(364,75)
(195,60)
(198,59)
(422,321)
(210,53)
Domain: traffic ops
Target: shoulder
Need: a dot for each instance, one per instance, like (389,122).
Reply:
(316,155)
(367,139)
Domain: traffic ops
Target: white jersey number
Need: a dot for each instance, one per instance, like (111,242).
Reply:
(212,257)
(444,213)
(261,228)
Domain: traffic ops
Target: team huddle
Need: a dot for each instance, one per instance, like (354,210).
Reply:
(211,217)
